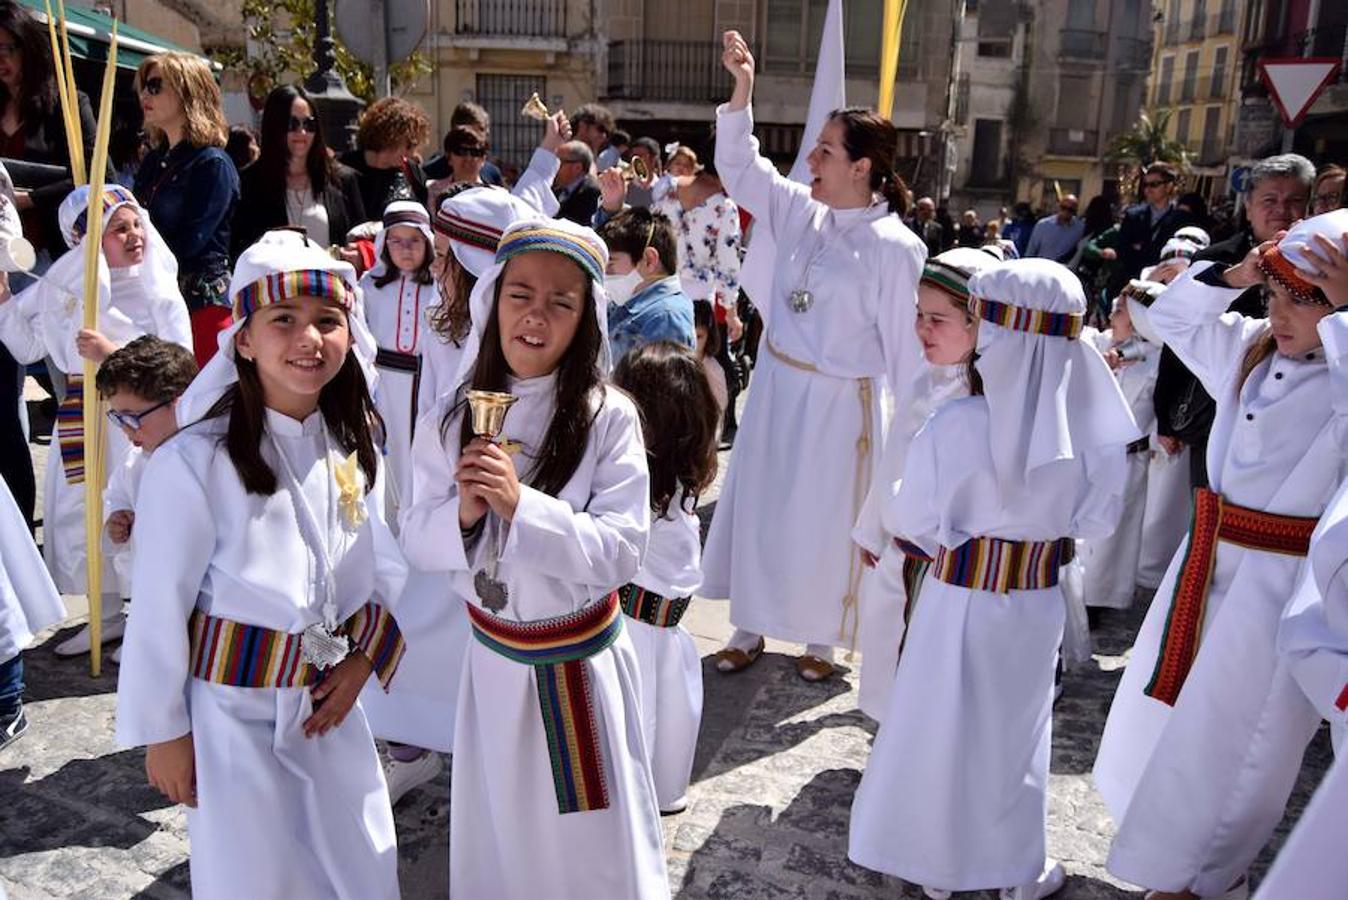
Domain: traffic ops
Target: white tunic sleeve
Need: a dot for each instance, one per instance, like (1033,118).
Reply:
(171,322)
(19,327)
(601,544)
(898,311)
(917,518)
(1192,319)
(751,180)
(1313,637)
(1333,331)
(429,530)
(175,515)
(535,184)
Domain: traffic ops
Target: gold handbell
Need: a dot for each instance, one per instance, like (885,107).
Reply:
(535,108)
(489,410)
(633,170)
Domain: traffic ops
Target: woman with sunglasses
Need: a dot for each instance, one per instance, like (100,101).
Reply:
(466,150)
(189,184)
(296,181)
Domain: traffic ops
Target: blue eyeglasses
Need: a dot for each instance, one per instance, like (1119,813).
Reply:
(132,421)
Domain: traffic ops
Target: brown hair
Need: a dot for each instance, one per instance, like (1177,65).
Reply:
(679,418)
(464,137)
(633,230)
(867,135)
(149,367)
(392,122)
(1264,346)
(191,79)
(450,317)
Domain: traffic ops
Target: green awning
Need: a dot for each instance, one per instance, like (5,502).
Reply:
(90,32)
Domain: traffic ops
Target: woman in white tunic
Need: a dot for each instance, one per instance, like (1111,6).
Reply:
(680,422)
(1197,778)
(265,606)
(552,793)
(138,294)
(994,488)
(947,333)
(839,325)
(1111,562)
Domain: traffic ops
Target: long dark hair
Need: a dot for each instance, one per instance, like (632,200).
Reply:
(275,155)
(450,317)
(391,272)
(867,135)
(578,397)
(347,409)
(39,76)
(679,418)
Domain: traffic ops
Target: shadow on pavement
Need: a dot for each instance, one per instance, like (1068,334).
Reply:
(49,677)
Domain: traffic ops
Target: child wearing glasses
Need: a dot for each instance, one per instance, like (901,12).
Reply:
(138,294)
(141,383)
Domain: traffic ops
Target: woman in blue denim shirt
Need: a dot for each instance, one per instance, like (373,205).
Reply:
(189,185)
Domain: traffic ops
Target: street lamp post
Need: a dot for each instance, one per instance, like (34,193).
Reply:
(337,107)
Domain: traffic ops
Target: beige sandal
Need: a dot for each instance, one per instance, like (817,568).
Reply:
(812,668)
(732,659)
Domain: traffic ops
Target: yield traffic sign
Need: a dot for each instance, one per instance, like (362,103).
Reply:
(1295,82)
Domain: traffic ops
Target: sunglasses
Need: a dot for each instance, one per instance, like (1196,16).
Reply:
(308,124)
(1152,184)
(475,152)
(132,421)
(153,86)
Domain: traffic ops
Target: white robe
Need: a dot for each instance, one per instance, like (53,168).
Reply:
(1198,788)
(671,670)
(28,599)
(1166,519)
(955,793)
(559,555)
(120,494)
(1111,562)
(33,330)
(780,545)
(883,596)
(398,315)
(279,814)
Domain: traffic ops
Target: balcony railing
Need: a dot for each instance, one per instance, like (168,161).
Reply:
(1133,53)
(1070,142)
(1172,33)
(1223,22)
(1077,44)
(679,71)
(511,18)
(1197,28)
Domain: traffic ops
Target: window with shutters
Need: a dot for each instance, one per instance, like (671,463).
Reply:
(513,137)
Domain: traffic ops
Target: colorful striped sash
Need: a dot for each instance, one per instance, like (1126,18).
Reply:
(1024,318)
(650,607)
(993,564)
(1214,520)
(557,649)
(232,653)
(916,565)
(70,429)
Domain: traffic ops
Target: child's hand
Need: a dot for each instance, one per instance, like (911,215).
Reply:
(335,695)
(1332,278)
(119,526)
(93,345)
(171,769)
(612,190)
(556,131)
(472,505)
(491,472)
(1247,272)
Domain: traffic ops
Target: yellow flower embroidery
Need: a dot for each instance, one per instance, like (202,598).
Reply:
(351,493)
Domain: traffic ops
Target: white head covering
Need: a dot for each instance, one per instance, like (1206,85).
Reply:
(282,265)
(539,235)
(1194,235)
(1298,252)
(1050,395)
(474,220)
(1140,294)
(402,212)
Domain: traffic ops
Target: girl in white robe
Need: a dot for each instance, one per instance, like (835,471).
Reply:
(265,607)
(995,486)
(680,422)
(838,328)
(947,333)
(398,294)
(138,294)
(551,793)
(1111,562)
(1206,733)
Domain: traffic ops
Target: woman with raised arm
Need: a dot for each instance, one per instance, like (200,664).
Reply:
(839,326)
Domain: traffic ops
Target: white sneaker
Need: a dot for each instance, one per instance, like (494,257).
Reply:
(116,655)
(676,807)
(932,893)
(78,645)
(1049,882)
(404,776)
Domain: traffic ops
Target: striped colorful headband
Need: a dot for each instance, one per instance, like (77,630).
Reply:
(1031,321)
(1183,251)
(466,231)
(553,240)
(947,278)
(279,287)
(1279,269)
(406,217)
(113,196)
(1141,291)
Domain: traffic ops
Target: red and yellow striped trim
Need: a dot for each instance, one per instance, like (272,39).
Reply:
(70,429)
(650,607)
(279,287)
(466,231)
(1031,321)
(1000,566)
(1214,520)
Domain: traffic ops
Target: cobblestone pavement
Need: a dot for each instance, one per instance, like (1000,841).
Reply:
(778,761)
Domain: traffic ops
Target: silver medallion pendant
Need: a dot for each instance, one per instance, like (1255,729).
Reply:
(323,648)
(491,591)
(801,300)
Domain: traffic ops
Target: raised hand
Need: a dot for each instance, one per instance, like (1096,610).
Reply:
(612,190)
(738,61)
(556,131)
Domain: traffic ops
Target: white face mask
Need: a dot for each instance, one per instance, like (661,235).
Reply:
(621,287)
